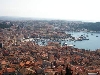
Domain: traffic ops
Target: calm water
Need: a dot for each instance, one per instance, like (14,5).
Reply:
(93,43)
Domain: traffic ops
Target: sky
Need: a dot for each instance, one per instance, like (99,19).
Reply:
(87,10)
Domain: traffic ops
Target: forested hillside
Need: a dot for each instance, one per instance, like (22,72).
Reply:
(5,25)
(90,26)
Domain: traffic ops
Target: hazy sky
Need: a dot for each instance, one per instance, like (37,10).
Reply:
(59,9)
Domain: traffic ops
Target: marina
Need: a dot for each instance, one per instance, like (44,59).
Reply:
(90,43)
(81,40)
(43,50)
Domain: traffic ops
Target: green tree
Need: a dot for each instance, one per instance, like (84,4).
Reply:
(68,71)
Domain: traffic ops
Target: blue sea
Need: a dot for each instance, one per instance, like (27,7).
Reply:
(92,44)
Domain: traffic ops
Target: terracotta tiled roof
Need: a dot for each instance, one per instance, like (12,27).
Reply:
(0,72)
(27,62)
(22,64)
(3,62)
(48,70)
(10,69)
(92,71)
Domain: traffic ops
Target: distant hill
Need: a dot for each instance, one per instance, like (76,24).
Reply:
(5,25)
(13,18)
(9,18)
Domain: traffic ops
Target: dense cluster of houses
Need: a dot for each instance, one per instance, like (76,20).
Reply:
(21,57)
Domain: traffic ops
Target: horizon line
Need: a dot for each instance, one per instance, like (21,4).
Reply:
(41,18)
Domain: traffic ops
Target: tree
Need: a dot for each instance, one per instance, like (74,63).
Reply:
(61,73)
(68,71)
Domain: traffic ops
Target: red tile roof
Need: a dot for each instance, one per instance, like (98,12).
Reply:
(10,69)
(3,62)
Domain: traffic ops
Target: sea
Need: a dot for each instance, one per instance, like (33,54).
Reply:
(92,44)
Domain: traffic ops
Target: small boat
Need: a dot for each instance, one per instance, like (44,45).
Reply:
(86,35)
(84,38)
(65,43)
(70,45)
(79,39)
(96,36)
(91,34)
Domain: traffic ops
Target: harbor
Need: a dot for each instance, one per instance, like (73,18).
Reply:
(81,40)
(43,50)
(91,43)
